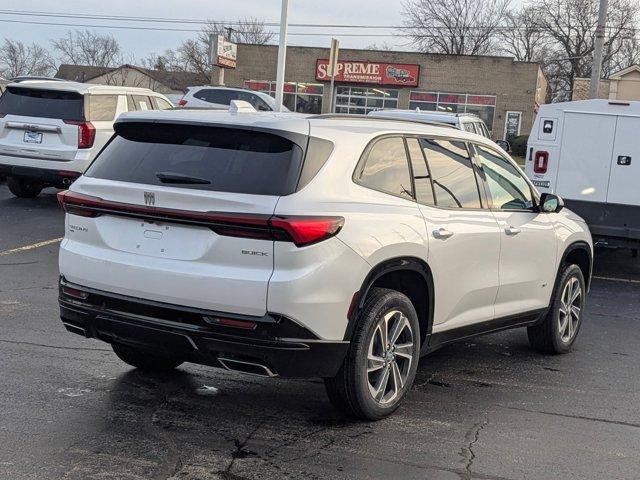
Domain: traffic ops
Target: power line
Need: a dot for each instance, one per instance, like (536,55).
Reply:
(236,22)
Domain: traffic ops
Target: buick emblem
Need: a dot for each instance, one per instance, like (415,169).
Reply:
(149,198)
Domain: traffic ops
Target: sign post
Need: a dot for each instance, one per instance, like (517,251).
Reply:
(282,54)
(222,54)
(332,69)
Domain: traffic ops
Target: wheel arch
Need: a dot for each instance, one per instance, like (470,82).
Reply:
(408,275)
(580,254)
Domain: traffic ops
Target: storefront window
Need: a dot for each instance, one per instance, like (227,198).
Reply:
(362,100)
(298,97)
(483,106)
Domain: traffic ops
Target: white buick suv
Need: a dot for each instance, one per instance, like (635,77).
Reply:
(338,247)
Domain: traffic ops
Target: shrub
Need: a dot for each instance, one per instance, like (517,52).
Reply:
(519,145)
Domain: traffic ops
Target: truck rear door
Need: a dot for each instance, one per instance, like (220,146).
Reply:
(625,163)
(587,144)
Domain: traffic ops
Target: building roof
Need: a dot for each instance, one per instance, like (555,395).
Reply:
(621,73)
(173,80)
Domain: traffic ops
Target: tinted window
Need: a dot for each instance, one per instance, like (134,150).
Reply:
(202,158)
(386,168)
(210,95)
(468,126)
(42,103)
(508,189)
(254,100)
(102,107)
(454,181)
(421,178)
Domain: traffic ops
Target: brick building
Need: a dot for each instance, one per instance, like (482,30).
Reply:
(492,87)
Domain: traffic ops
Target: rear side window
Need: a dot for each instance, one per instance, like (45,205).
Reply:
(421,177)
(199,157)
(102,108)
(453,177)
(142,102)
(386,168)
(42,103)
(210,95)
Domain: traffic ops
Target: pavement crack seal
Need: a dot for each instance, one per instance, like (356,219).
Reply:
(30,247)
(472,436)
(14,342)
(577,417)
(241,451)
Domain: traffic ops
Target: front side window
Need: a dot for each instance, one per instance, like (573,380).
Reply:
(454,180)
(386,168)
(507,188)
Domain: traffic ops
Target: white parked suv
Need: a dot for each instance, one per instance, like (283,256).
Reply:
(464,121)
(50,131)
(221,98)
(338,247)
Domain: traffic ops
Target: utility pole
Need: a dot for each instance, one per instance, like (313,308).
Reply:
(282,54)
(596,68)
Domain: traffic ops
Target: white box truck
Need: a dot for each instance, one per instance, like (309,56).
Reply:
(588,152)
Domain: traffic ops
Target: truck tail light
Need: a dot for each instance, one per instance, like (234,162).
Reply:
(86,133)
(300,230)
(541,162)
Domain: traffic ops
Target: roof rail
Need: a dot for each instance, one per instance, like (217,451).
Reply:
(347,116)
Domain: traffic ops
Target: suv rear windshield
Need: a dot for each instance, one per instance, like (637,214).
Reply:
(32,102)
(200,157)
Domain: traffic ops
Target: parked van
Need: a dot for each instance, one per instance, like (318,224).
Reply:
(51,131)
(589,153)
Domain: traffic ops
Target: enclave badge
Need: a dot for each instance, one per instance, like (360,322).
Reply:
(149,198)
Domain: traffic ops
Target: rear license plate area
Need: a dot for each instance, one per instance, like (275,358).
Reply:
(32,137)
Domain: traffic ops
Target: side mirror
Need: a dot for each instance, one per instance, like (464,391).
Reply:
(550,203)
(503,144)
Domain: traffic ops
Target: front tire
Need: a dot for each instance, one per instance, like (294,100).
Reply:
(143,360)
(559,329)
(382,360)
(24,188)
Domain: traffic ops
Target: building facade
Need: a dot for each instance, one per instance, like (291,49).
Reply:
(622,85)
(498,89)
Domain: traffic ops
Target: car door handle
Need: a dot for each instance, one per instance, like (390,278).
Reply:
(512,231)
(442,233)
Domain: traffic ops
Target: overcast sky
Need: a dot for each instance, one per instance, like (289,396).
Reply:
(142,43)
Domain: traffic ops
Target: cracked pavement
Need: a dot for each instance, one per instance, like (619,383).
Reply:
(488,408)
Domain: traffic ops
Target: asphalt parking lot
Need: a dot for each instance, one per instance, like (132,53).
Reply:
(489,408)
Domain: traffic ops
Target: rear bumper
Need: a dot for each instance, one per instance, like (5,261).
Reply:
(281,346)
(60,177)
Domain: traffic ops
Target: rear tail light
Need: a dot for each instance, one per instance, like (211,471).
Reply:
(182,102)
(300,230)
(540,162)
(86,133)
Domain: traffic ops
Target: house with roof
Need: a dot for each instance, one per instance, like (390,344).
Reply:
(161,81)
(622,85)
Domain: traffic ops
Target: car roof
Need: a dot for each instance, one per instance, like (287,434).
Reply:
(79,87)
(333,125)
(448,117)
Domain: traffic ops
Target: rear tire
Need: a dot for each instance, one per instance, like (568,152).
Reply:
(559,329)
(143,360)
(24,188)
(382,360)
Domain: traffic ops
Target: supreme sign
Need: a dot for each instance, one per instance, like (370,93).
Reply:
(371,72)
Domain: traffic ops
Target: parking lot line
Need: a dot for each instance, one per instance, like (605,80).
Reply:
(613,279)
(31,247)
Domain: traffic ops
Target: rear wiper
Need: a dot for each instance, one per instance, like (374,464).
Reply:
(171,177)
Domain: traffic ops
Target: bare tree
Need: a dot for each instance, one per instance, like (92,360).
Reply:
(457,27)
(246,30)
(570,25)
(84,47)
(521,37)
(17,58)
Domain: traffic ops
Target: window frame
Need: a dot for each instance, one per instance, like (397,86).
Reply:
(365,156)
(485,184)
